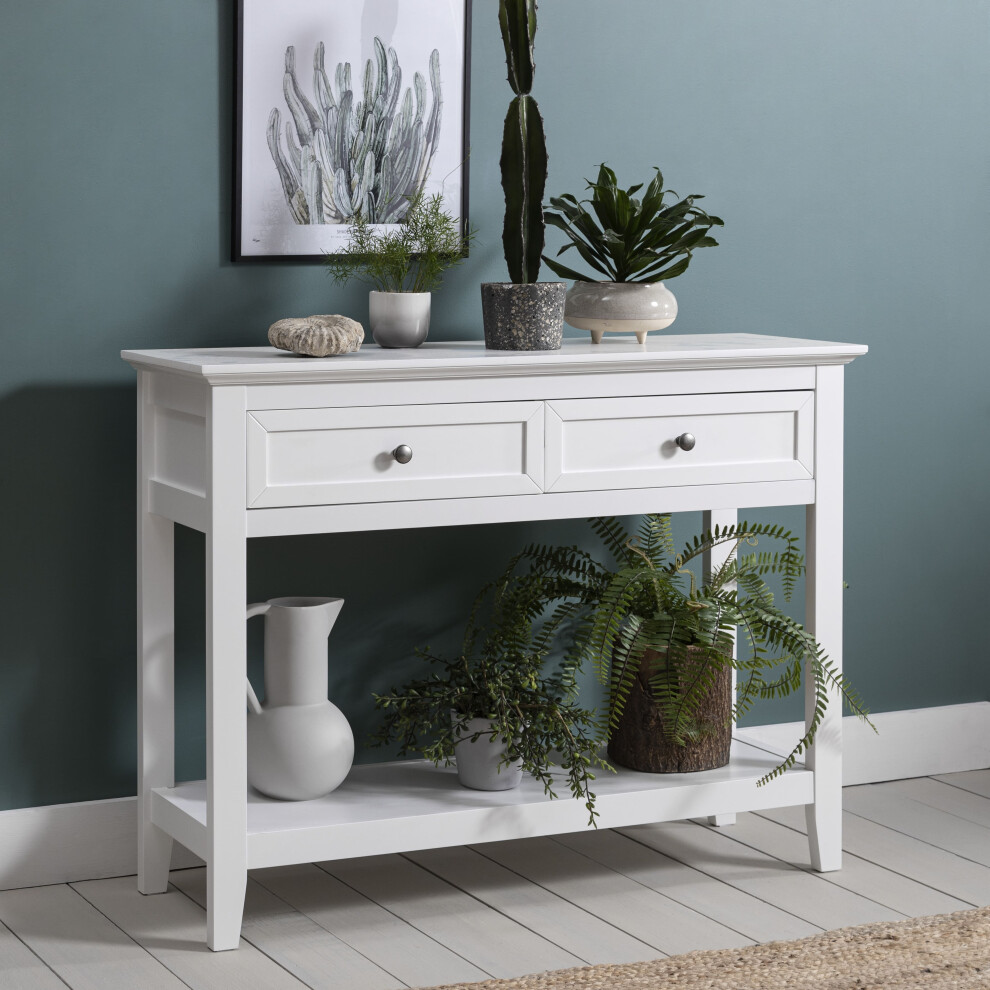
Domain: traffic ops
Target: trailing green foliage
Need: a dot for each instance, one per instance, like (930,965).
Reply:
(502,674)
(524,152)
(627,239)
(650,604)
(410,257)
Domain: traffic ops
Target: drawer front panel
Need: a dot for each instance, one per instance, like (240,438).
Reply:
(335,456)
(630,443)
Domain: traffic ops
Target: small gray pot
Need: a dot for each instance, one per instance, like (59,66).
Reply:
(523,317)
(399,319)
(478,762)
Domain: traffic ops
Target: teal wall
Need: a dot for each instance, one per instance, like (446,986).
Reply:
(845,143)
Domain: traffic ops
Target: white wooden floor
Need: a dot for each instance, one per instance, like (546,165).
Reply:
(913,847)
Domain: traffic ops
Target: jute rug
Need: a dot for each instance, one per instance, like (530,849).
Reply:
(945,951)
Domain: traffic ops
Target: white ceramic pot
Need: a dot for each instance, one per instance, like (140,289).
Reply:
(399,319)
(609,307)
(478,761)
(299,745)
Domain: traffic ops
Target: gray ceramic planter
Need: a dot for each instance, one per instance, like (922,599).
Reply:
(478,762)
(631,307)
(523,317)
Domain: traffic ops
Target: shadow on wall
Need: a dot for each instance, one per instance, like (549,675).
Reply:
(67,594)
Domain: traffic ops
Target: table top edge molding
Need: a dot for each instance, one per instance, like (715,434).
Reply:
(469,359)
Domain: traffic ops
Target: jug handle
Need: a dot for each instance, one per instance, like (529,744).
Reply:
(259,608)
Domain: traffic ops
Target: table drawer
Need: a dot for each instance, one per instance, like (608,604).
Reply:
(333,456)
(597,444)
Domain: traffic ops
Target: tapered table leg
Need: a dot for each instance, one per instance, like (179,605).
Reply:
(156,659)
(711,562)
(823,618)
(226,722)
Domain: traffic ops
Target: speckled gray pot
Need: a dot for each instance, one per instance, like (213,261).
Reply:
(523,317)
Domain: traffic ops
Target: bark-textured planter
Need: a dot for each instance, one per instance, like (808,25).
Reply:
(523,316)
(638,742)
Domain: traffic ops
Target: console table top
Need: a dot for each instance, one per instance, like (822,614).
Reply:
(470,358)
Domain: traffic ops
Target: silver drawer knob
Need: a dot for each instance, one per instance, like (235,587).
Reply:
(403,453)
(686,441)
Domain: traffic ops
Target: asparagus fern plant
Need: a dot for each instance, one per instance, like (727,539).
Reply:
(502,673)
(410,257)
(524,151)
(651,605)
(628,239)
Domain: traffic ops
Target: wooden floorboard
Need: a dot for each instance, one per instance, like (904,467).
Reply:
(751,917)
(494,943)
(559,921)
(911,848)
(313,955)
(85,948)
(21,968)
(642,913)
(882,804)
(976,781)
(805,895)
(384,938)
(904,855)
(897,892)
(172,928)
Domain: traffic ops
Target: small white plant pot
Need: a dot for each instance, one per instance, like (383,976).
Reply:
(478,761)
(399,319)
(611,307)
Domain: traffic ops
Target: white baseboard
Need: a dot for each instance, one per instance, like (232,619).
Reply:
(917,742)
(97,839)
(58,843)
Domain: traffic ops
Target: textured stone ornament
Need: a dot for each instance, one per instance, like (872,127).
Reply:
(317,336)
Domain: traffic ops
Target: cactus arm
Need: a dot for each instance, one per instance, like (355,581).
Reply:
(289,179)
(342,193)
(436,114)
(312,184)
(321,84)
(304,114)
(524,175)
(394,84)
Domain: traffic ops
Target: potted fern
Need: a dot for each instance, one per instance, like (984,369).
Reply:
(404,263)
(661,641)
(524,314)
(499,708)
(636,244)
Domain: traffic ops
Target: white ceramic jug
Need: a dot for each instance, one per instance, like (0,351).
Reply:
(299,745)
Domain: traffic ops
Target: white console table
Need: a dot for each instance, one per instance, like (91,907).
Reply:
(247,442)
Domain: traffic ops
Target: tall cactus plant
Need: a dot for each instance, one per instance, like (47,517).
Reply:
(524,149)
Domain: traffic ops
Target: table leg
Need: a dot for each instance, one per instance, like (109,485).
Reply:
(156,657)
(156,693)
(823,618)
(226,645)
(710,563)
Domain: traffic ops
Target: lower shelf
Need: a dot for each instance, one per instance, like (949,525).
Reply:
(396,807)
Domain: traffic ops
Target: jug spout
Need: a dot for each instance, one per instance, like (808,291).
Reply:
(296,632)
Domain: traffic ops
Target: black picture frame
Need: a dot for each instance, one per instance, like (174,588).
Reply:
(268,225)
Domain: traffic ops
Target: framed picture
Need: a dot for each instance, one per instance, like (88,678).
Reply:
(345,107)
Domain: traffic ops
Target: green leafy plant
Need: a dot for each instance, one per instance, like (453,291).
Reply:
(502,674)
(408,257)
(628,239)
(524,151)
(651,605)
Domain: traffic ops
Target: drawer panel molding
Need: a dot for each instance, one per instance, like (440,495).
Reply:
(336,456)
(599,444)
